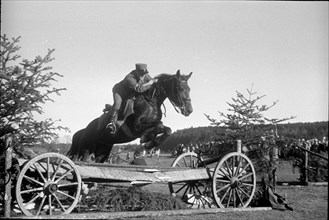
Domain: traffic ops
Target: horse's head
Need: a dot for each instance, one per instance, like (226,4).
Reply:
(178,91)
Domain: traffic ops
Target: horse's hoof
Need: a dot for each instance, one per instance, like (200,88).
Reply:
(142,140)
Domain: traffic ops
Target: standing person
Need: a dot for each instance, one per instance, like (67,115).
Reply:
(137,81)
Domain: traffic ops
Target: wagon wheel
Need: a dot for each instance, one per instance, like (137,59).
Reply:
(234,181)
(197,193)
(49,184)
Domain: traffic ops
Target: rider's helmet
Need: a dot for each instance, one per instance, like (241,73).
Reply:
(141,67)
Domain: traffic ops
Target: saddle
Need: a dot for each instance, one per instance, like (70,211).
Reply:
(125,111)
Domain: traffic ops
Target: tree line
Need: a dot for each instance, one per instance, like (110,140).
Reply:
(307,130)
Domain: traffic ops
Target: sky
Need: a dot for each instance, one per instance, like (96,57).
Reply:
(278,48)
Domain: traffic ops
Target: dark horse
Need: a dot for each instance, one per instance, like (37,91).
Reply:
(145,122)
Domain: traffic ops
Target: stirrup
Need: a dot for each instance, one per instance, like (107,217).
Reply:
(112,128)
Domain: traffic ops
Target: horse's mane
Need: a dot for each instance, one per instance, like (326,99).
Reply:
(150,93)
(163,76)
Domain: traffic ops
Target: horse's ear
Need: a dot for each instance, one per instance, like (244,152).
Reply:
(178,73)
(189,75)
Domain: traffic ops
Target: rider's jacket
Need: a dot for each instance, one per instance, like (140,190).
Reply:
(133,84)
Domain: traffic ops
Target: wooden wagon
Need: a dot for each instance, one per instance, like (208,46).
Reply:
(51,184)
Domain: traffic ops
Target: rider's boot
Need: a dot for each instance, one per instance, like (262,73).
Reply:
(111,126)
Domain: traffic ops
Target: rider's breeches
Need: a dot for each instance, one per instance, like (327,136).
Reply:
(117,101)
(119,97)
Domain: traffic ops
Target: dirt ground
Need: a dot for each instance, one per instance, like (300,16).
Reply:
(308,202)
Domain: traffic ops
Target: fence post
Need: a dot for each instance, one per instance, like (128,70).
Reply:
(238,146)
(306,169)
(8,163)
(275,162)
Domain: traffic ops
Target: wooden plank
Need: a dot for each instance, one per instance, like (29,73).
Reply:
(130,167)
(318,183)
(138,174)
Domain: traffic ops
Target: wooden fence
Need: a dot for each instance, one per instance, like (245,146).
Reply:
(306,162)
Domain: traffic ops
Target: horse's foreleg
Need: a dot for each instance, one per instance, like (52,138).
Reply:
(155,136)
(149,135)
(163,133)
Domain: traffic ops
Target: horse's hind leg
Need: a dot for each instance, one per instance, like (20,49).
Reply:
(102,151)
(87,146)
(73,153)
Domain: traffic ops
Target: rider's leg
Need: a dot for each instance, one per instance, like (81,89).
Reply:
(114,113)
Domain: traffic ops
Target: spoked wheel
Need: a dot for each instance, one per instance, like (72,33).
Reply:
(234,181)
(49,184)
(196,193)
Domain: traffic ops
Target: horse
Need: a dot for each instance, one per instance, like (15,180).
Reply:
(144,123)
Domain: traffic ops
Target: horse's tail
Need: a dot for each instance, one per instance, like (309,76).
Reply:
(74,150)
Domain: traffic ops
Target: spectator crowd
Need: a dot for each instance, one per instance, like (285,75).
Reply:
(289,148)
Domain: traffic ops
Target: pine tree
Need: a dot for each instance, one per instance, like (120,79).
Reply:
(246,122)
(25,86)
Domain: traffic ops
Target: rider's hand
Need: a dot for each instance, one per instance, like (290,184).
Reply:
(150,82)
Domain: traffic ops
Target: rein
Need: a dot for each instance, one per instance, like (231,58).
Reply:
(172,89)
(179,98)
(152,97)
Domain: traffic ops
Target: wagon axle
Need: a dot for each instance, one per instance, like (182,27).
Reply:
(50,188)
(235,182)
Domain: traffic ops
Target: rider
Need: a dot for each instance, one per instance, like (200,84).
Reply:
(137,81)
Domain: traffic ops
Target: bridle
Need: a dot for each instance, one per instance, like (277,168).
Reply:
(181,100)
